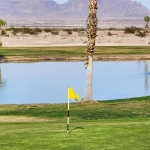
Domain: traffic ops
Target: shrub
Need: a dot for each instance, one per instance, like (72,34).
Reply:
(3,32)
(38,30)
(30,31)
(109,34)
(55,32)
(15,30)
(140,34)
(75,29)
(9,29)
(33,32)
(25,30)
(81,33)
(111,28)
(131,30)
(78,29)
(68,31)
(48,30)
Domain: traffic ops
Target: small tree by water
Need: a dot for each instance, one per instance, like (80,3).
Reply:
(146,19)
(2,23)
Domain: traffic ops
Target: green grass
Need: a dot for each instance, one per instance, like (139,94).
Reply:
(86,135)
(125,108)
(106,125)
(74,51)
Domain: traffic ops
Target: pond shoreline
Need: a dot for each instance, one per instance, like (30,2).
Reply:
(64,58)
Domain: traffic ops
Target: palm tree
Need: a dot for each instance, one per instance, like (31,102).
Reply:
(2,23)
(146,19)
(91,35)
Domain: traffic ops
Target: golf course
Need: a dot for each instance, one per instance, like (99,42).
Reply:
(102,125)
(47,47)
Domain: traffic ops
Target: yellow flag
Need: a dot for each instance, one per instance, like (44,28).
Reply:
(72,94)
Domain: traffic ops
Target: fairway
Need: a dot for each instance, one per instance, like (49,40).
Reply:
(84,135)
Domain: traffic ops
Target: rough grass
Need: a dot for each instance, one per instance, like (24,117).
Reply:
(125,108)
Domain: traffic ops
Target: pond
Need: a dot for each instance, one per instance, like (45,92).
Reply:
(47,82)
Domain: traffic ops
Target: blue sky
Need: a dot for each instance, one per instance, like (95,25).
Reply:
(60,1)
(144,2)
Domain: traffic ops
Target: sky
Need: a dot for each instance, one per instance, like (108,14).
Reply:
(60,1)
(144,2)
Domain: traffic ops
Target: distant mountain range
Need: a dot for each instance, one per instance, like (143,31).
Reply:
(73,9)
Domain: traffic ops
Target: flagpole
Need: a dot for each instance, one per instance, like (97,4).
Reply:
(73,95)
(68,118)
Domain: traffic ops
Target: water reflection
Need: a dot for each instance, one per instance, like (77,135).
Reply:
(1,81)
(2,85)
(146,76)
(47,82)
(0,77)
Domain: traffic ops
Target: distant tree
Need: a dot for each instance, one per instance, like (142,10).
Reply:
(146,19)
(2,23)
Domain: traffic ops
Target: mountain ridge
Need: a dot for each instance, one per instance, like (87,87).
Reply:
(72,9)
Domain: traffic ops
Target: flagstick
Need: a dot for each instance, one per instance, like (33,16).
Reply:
(68,119)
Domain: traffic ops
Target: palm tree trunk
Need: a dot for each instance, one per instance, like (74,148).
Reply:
(89,77)
(146,39)
(146,31)
(91,34)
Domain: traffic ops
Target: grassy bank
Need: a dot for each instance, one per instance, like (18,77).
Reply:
(118,109)
(106,125)
(73,51)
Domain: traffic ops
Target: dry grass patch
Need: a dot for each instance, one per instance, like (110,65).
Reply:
(22,119)
(8,107)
